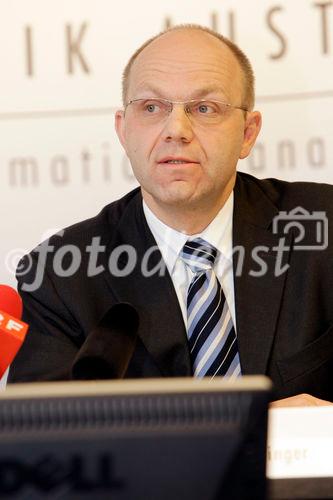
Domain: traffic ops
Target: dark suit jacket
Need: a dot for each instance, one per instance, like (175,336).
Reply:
(284,321)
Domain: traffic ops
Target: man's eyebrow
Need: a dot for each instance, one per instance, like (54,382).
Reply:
(205,91)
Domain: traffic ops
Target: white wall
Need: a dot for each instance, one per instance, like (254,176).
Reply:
(57,102)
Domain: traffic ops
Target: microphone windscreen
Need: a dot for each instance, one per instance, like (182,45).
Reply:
(109,347)
(10,301)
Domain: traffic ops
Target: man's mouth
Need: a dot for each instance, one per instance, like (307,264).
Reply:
(176,161)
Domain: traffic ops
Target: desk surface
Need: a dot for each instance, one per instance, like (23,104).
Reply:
(300,488)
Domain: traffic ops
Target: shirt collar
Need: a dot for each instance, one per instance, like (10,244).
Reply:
(170,241)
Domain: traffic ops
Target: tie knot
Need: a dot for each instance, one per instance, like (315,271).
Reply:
(198,254)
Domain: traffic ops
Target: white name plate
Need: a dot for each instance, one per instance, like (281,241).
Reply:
(300,442)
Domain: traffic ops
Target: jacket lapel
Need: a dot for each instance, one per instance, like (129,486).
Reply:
(161,326)
(257,297)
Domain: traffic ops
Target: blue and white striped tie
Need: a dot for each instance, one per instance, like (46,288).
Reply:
(211,334)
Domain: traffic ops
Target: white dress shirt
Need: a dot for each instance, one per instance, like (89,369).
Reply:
(218,234)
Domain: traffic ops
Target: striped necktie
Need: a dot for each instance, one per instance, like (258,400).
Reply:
(211,334)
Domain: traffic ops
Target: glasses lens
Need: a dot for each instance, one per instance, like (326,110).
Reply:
(207,111)
(150,110)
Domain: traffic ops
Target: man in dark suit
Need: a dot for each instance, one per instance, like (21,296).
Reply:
(187,119)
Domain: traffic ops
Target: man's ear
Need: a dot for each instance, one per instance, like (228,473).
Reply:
(251,131)
(119,124)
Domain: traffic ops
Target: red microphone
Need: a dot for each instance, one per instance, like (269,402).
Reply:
(12,329)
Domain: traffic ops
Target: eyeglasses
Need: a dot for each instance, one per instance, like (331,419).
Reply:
(204,112)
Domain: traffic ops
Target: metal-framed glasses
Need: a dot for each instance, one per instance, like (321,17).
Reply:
(199,111)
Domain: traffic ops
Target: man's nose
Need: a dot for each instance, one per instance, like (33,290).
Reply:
(178,126)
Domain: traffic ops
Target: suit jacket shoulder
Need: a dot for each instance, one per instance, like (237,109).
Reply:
(286,194)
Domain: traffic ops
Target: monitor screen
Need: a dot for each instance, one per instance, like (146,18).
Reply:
(151,439)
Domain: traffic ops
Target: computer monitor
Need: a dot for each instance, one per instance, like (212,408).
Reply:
(152,439)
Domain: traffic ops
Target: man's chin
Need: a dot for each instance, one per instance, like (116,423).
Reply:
(175,196)
(183,201)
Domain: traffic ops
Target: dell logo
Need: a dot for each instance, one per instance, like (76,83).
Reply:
(50,473)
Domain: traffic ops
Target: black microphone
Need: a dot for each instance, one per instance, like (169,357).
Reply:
(109,347)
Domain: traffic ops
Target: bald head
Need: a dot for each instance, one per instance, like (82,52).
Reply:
(181,43)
